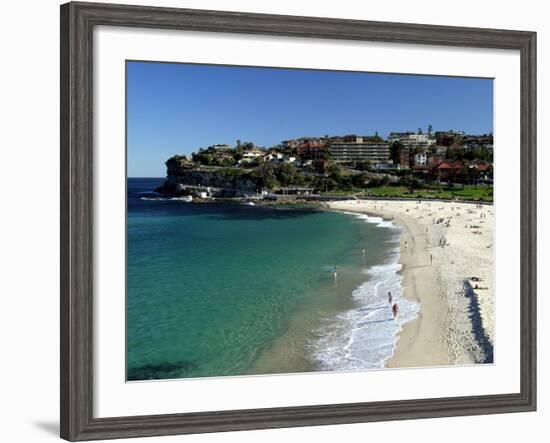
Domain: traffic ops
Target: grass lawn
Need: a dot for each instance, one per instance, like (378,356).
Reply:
(481,193)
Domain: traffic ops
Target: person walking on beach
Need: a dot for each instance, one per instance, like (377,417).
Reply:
(395,310)
(431,259)
(405,244)
(363,251)
(390,298)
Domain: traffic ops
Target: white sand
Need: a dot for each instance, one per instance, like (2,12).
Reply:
(455,325)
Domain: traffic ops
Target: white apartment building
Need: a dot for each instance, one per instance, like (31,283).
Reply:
(421,158)
(418,139)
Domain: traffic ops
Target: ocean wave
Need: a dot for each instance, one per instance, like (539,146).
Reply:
(365,337)
(374,219)
(164,198)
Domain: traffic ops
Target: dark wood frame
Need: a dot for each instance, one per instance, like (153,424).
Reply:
(77,24)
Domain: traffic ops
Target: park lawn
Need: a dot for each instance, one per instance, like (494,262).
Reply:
(468,193)
(352,192)
(389,191)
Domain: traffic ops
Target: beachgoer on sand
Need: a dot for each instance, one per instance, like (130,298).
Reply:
(390,298)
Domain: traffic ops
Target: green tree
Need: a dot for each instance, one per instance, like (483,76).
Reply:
(266,175)
(410,181)
(286,174)
(203,157)
(345,184)
(334,171)
(300,179)
(455,152)
(359,180)
(326,184)
(481,154)
(466,173)
(364,165)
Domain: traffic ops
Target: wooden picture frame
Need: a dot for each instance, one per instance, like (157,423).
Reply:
(77,23)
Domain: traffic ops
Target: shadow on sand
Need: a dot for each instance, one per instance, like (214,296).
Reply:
(477,324)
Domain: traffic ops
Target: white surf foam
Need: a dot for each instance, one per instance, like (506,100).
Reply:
(366,336)
(378,221)
(163,198)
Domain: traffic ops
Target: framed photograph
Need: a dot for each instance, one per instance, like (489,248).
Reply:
(272,221)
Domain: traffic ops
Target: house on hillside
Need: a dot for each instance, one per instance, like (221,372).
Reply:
(312,148)
(321,165)
(289,159)
(251,154)
(272,156)
(483,172)
(447,170)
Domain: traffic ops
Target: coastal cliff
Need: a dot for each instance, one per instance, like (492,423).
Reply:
(183,178)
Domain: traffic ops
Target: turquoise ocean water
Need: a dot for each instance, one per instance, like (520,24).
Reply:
(227,289)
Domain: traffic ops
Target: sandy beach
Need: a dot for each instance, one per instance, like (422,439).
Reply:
(447,259)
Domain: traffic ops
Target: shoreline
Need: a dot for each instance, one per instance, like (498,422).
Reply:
(313,199)
(316,340)
(419,342)
(455,322)
(415,344)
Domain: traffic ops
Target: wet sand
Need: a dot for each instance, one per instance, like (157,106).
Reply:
(455,323)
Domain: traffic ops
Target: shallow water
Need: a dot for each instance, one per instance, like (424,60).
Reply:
(228,289)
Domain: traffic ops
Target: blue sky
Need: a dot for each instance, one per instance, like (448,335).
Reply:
(178,108)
